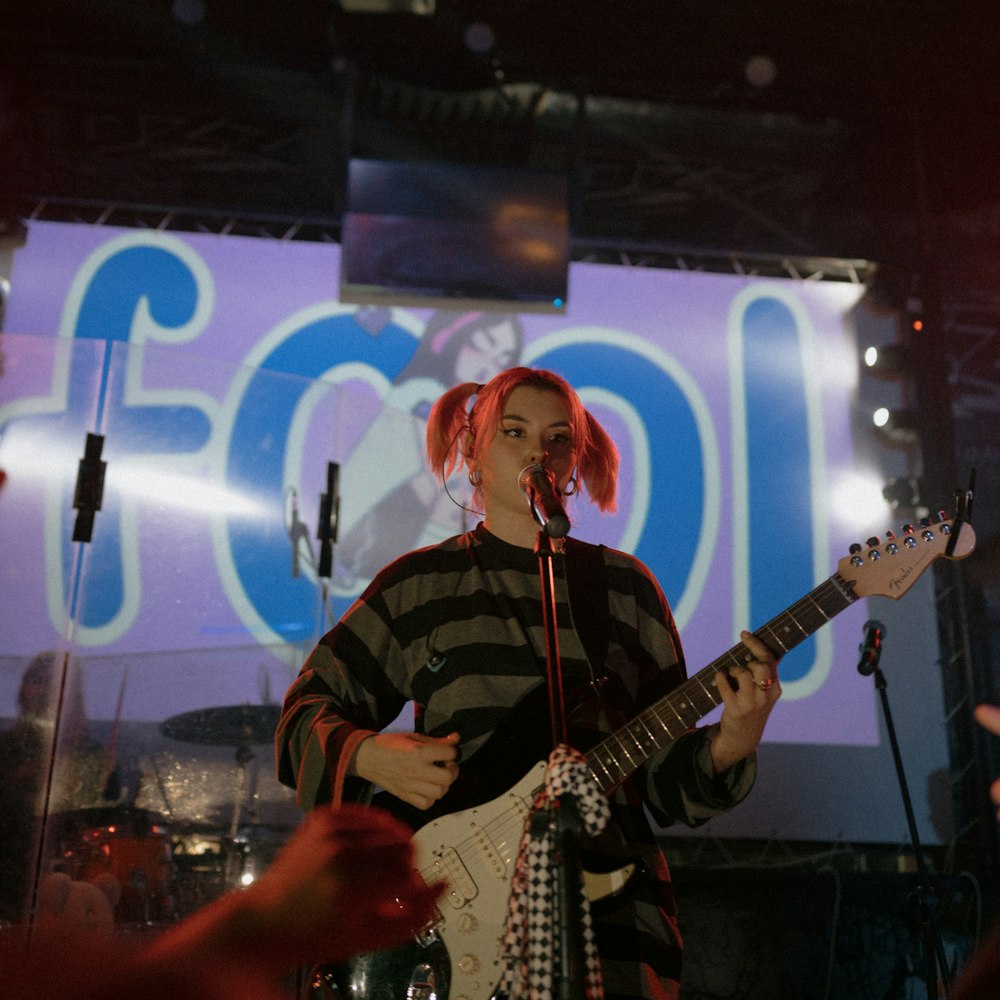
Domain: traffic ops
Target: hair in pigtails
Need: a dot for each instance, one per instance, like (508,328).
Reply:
(447,428)
(598,464)
(452,429)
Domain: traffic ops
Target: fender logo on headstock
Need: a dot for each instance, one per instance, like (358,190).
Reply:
(890,568)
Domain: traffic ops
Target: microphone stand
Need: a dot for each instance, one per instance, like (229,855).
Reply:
(563,819)
(935,963)
(326,532)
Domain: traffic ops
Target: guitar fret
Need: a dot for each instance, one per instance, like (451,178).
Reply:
(623,771)
(673,709)
(599,779)
(732,655)
(649,732)
(607,771)
(648,738)
(812,614)
(713,700)
(656,715)
(819,608)
(624,749)
(777,638)
(841,587)
(795,622)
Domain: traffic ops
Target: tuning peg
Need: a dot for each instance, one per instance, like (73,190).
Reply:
(855,551)
(890,543)
(874,542)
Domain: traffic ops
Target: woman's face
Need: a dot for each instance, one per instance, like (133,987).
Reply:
(534,429)
(487,352)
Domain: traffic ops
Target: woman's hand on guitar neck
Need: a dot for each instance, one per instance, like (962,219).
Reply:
(417,769)
(748,692)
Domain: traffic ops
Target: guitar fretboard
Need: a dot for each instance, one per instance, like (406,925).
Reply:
(624,751)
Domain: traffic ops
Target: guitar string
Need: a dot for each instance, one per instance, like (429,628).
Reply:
(508,824)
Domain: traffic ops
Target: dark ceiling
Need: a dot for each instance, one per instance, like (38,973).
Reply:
(877,139)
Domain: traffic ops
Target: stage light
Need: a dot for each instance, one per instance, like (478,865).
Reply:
(856,497)
(887,361)
(897,426)
(894,419)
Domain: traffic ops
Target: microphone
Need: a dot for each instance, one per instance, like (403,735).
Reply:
(538,484)
(871,648)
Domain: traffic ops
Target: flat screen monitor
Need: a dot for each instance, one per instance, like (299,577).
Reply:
(455,236)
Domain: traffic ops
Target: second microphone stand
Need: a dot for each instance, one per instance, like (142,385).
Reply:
(935,964)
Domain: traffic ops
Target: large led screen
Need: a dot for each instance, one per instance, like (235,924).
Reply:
(225,377)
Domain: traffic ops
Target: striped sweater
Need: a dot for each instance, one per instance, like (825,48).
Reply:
(457,629)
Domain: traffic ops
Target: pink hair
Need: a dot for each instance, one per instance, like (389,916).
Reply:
(453,429)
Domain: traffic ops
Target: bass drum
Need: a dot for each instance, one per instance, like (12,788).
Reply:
(133,846)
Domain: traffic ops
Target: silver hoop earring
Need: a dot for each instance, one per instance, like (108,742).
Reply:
(569,492)
(475,478)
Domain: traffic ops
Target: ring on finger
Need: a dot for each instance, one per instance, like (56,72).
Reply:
(765,685)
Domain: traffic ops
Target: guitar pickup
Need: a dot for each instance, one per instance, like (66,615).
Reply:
(448,865)
(489,852)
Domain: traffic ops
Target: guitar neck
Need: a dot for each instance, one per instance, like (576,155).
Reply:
(626,750)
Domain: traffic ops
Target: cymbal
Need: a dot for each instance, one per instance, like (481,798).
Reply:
(229,726)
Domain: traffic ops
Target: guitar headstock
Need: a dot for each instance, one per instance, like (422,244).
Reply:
(889,567)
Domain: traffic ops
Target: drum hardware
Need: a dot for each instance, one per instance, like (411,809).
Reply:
(241,726)
(132,845)
(231,726)
(208,862)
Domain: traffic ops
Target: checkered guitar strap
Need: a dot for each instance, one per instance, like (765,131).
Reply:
(530,941)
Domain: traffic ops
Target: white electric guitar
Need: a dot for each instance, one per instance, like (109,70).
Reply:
(475,849)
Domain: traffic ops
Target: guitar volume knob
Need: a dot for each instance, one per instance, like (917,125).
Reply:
(468,965)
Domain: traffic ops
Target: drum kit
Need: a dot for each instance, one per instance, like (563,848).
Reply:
(167,867)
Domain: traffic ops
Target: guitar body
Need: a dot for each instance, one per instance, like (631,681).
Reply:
(474,851)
